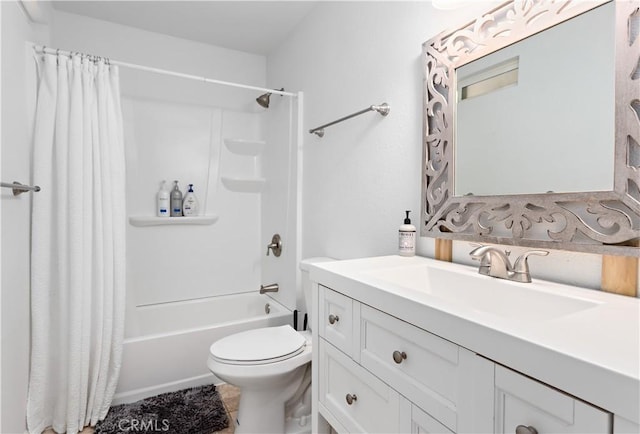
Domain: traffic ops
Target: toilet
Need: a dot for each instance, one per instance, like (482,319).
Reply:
(272,368)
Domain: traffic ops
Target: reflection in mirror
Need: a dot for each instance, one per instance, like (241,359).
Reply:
(538,115)
(591,103)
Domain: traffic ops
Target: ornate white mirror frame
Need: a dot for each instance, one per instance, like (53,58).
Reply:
(596,222)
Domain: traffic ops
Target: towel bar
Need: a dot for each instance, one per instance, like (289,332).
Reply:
(19,188)
(383,109)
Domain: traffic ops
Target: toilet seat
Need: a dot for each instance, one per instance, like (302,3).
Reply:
(259,346)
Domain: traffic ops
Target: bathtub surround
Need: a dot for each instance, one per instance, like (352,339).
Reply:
(78,244)
(169,118)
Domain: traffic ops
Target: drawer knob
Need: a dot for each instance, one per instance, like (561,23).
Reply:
(333,319)
(398,357)
(521,429)
(351,398)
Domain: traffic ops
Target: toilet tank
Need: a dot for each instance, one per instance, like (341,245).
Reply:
(306,282)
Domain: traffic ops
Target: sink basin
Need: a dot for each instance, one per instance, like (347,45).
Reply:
(525,301)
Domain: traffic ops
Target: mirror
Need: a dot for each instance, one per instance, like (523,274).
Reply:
(514,106)
(532,125)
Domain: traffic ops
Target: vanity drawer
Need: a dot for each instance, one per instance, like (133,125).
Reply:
(374,408)
(523,401)
(336,319)
(421,366)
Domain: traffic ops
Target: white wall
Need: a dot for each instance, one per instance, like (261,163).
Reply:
(18,99)
(365,172)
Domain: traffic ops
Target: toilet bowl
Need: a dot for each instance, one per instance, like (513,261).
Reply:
(268,365)
(272,368)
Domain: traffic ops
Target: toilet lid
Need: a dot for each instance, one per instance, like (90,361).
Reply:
(267,344)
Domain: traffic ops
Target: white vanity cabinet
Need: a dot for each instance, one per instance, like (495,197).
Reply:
(377,373)
(391,377)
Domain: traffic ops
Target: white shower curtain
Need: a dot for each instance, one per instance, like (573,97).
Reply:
(78,244)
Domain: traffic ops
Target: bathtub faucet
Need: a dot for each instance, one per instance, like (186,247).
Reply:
(269,288)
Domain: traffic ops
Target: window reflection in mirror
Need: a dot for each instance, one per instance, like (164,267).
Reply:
(545,124)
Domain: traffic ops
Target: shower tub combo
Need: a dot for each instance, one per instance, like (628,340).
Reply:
(170,350)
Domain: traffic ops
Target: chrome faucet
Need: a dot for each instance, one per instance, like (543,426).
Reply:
(495,263)
(269,288)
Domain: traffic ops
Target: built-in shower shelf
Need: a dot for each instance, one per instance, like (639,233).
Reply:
(160,221)
(245,147)
(244,185)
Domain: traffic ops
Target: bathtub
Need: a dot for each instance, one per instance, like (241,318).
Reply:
(171,347)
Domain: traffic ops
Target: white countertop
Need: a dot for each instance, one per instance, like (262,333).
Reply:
(593,353)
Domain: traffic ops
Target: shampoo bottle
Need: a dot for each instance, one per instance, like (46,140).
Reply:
(190,203)
(163,201)
(407,238)
(176,201)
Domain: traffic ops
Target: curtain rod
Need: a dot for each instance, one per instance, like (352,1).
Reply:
(44,49)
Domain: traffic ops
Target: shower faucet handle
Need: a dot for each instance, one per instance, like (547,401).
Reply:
(275,246)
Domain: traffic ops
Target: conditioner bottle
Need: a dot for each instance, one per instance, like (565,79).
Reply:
(176,201)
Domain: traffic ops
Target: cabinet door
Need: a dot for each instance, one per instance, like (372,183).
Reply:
(335,319)
(423,423)
(360,402)
(523,401)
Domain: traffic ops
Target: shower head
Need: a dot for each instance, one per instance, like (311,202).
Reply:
(263,99)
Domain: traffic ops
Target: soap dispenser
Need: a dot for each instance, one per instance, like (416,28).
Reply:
(190,203)
(162,198)
(407,238)
(176,201)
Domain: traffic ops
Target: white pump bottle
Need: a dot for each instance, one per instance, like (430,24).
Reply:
(162,206)
(407,238)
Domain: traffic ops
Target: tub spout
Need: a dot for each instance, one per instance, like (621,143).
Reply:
(269,288)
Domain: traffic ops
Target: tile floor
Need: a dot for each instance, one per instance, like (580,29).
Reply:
(230,397)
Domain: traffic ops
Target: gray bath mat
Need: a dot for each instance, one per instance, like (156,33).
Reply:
(190,411)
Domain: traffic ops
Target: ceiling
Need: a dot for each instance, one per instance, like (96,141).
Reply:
(251,26)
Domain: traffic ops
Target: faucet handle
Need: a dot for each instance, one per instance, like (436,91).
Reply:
(275,246)
(479,254)
(521,265)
